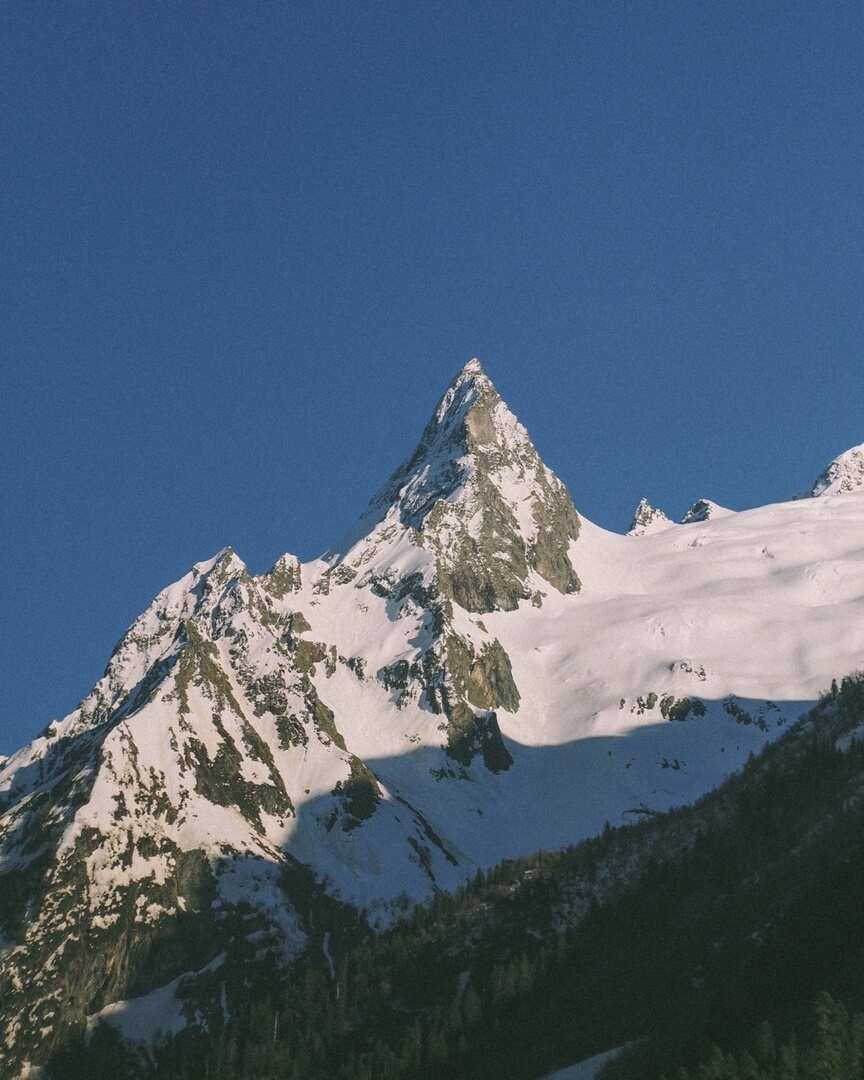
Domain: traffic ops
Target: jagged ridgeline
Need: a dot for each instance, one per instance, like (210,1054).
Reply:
(276,767)
(195,811)
(477,496)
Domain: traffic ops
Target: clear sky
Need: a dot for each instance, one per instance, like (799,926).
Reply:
(245,246)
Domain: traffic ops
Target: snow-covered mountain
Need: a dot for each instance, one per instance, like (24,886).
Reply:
(843,475)
(474,672)
(648,519)
(703,510)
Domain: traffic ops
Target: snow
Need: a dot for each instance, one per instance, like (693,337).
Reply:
(154,1017)
(256,882)
(764,605)
(648,519)
(768,602)
(702,510)
(588,1069)
(441,470)
(759,606)
(843,475)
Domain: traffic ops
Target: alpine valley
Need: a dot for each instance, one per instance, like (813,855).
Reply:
(447,752)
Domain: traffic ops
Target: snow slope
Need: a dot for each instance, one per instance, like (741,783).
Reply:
(754,612)
(586,1070)
(702,510)
(844,474)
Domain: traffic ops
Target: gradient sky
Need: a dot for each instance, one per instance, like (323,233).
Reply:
(245,246)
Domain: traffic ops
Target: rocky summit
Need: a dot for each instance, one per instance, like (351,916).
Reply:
(475,672)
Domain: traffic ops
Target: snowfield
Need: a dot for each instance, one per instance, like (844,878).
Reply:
(755,611)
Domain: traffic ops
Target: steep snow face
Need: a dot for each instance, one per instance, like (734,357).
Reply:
(843,475)
(437,694)
(647,519)
(702,510)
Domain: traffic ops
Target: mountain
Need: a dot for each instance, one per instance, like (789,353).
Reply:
(703,510)
(843,475)
(476,672)
(713,925)
(477,497)
(647,519)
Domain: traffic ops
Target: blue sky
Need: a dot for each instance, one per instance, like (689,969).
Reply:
(246,246)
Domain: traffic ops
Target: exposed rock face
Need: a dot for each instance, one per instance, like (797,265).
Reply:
(283,577)
(486,680)
(477,496)
(845,474)
(704,510)
(647,519)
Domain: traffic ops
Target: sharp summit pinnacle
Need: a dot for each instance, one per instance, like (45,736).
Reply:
(477,496)
(473,367)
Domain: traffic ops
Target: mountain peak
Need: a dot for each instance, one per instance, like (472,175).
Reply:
(704,510)
(647,519)
(473,367)
(476,494)
(470,423)
(470,388)
(843,475)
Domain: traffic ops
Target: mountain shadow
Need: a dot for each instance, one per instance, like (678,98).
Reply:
(683,929)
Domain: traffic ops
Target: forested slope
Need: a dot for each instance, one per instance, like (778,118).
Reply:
(687,930)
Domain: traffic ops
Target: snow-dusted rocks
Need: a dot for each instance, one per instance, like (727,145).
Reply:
(648,519)
(440,691)
(703,510)
(844,474)
(497,524)
(283,577)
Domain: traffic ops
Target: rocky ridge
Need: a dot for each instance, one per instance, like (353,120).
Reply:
(648,519)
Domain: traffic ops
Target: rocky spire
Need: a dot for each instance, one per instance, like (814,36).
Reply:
(704,510)
(647,519)
(477,495)
(470,420)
